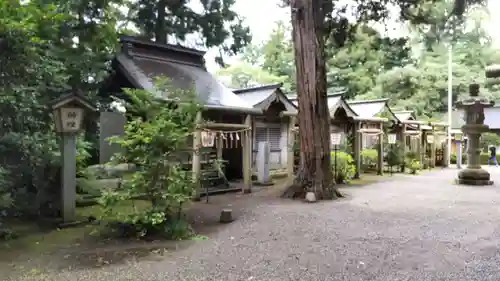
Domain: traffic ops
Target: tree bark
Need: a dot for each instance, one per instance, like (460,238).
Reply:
(315,173)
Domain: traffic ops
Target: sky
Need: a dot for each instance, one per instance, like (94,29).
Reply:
(260,16)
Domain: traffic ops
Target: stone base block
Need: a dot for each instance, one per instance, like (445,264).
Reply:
(474,182)
(474,177)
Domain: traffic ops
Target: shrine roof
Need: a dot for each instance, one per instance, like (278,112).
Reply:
(404,115)
(143,61)
(335,101)
(371,108)
(263,96)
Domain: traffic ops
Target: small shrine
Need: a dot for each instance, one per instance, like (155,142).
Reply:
(473,107)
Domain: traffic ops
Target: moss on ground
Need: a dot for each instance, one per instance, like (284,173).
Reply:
(35,239)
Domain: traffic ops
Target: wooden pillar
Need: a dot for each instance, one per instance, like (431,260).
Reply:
(290,152)
(424,146)
(247,157)
(433,148)
(357,148)
(445,151)
(380,166)
(419,147)
(402,137)
(219,146)
(196,159)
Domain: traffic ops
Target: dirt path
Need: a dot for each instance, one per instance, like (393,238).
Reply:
(411,228)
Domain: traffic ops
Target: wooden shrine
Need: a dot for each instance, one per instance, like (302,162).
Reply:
(222,135)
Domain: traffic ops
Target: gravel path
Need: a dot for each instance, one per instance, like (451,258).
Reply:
(412,228)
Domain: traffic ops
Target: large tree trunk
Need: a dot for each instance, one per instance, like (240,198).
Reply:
(315,174)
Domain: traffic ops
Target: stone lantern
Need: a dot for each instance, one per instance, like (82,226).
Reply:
(473,107)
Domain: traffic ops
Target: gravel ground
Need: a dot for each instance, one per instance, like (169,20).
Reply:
(411,228)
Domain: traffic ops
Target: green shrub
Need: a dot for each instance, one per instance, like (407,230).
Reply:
(411,155)
(414,166)
(345,170)
(369,159)
(394,155)
(82,156)
(483,158)
(156,143)
(453,158)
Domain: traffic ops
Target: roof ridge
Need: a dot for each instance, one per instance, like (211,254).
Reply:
(257,88)
(161,46)
(368,101)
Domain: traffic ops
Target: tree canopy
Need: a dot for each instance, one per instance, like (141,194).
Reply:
(410,68)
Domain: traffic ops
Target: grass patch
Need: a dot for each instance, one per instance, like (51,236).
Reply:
(35,239)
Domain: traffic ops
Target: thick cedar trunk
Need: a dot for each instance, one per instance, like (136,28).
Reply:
(315,174)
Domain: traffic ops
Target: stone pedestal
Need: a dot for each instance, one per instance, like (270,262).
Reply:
(474,174)
(474,177)
(474,127)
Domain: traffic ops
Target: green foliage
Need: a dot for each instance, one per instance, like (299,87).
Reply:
(483,158)
(274,56)
(414,166)
(369,158)
(412,155)
(82,156)
(488,139)
(5,196)
(216,22)
(355,69)
(32,73)
(345,169)
(243,75)
(156,144)
(453,158)
(394,156)
(412,161)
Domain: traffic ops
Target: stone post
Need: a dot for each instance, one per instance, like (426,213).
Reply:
(69,177)
(474,126)
(263,164)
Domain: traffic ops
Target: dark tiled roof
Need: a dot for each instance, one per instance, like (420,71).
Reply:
(143,62)
(258,88)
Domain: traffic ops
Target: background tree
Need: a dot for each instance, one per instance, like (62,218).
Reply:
(274,55)
(356,66)
(243,75)
(169,21)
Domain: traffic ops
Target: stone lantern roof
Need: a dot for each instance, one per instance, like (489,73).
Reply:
(474,101)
